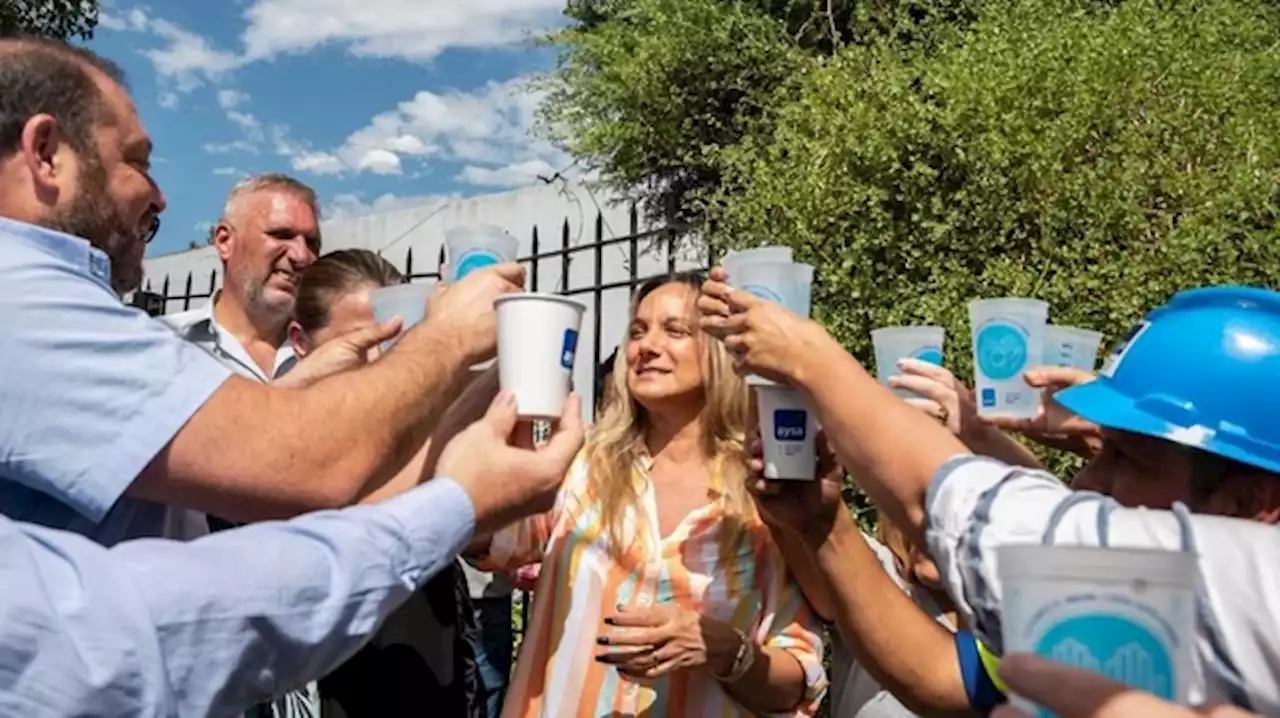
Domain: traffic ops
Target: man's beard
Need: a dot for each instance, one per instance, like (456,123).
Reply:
(95,217)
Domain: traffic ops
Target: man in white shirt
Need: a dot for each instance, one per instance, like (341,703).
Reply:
(1195,381)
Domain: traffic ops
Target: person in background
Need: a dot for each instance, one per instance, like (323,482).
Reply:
(268,235)
(661,591)
(425,652)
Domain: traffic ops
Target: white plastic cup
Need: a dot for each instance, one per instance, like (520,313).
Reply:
(407,301)
(892,344)
(475,246)
(734,261)
(1071,347)
(788,430)
(1008,339)
(788,284)
(1126,613)
(537,345)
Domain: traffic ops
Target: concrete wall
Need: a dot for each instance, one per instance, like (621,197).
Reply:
(548,208)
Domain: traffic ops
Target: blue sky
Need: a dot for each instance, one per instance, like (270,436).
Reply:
(378,104)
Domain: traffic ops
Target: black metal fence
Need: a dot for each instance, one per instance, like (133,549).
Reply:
(182,292)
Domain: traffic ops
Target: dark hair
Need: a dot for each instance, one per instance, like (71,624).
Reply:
(336,273)
(42,76)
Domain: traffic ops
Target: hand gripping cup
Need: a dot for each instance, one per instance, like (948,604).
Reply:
(407,301)
(734,261)
(537,345)
(893,344)
(1008,339)
(475,246)
(785,283)
(1128,614)
(788,430)
(1071,347)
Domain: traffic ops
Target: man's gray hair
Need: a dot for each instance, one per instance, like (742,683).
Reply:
(269,181)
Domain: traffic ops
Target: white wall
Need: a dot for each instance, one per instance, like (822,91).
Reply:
(546,207)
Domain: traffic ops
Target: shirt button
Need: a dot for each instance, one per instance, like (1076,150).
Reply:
(642,601)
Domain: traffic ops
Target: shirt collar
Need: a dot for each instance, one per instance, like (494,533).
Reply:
(75,251)
(644,464)
(224,341)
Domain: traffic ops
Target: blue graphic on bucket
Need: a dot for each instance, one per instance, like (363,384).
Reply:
(790,424)
(988,397)
(473,260)
(1114,646)
(763,292)
(1002,351)
(568,348)
(931,355)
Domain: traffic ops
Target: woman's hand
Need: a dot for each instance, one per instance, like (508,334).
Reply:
(945,397)
(763,337)
(656,641)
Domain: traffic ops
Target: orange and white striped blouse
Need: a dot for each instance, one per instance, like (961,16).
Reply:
(581,584)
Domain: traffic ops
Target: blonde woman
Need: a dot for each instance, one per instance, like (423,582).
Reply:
(661,592)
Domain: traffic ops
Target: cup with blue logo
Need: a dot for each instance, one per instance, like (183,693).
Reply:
(1071,347)
(537,347)
(787,283)
(734,261)
(788,429)
(407,301)
(1128,614)
(893,344)
(476,246)
(1008,339)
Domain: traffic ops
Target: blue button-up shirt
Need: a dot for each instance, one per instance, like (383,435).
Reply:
(91,389)
(212,626)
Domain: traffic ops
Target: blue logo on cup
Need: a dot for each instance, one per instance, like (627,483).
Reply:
(790,424)
(988,398)
(1115,646)
(931,355)
(763,292)
(568,348)
(1002,351)
(473,260)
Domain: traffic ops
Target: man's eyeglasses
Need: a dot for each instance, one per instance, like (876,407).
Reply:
(151,231)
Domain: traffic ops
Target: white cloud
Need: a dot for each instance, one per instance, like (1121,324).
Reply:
(188,60)
(349,206)
(379,162)
(168,100)
(137,19)
(392,28)
(512,175)
(228,171)
(228,99)
(487,128)
(108,21)
(245,120)
(203,227)
(321,163)
(222,148)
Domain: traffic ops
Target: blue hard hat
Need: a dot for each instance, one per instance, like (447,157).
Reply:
(1202,371)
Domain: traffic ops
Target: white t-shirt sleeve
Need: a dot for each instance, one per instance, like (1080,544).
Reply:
(976,504)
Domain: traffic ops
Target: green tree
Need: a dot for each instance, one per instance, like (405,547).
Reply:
(648,92)
(60,19)
(1101,159)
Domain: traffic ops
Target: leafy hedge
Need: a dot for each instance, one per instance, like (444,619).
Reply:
(1100,158)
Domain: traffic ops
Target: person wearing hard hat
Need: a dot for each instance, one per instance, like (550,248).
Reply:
(1185,404)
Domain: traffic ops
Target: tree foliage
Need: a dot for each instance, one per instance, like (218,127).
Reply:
(59,19)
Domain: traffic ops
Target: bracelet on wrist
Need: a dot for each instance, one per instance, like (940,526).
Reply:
(742,661)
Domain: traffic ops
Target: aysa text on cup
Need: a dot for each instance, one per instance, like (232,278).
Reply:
(788,432)
(537,346)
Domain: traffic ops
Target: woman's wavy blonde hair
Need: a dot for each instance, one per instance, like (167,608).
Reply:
(617,440)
